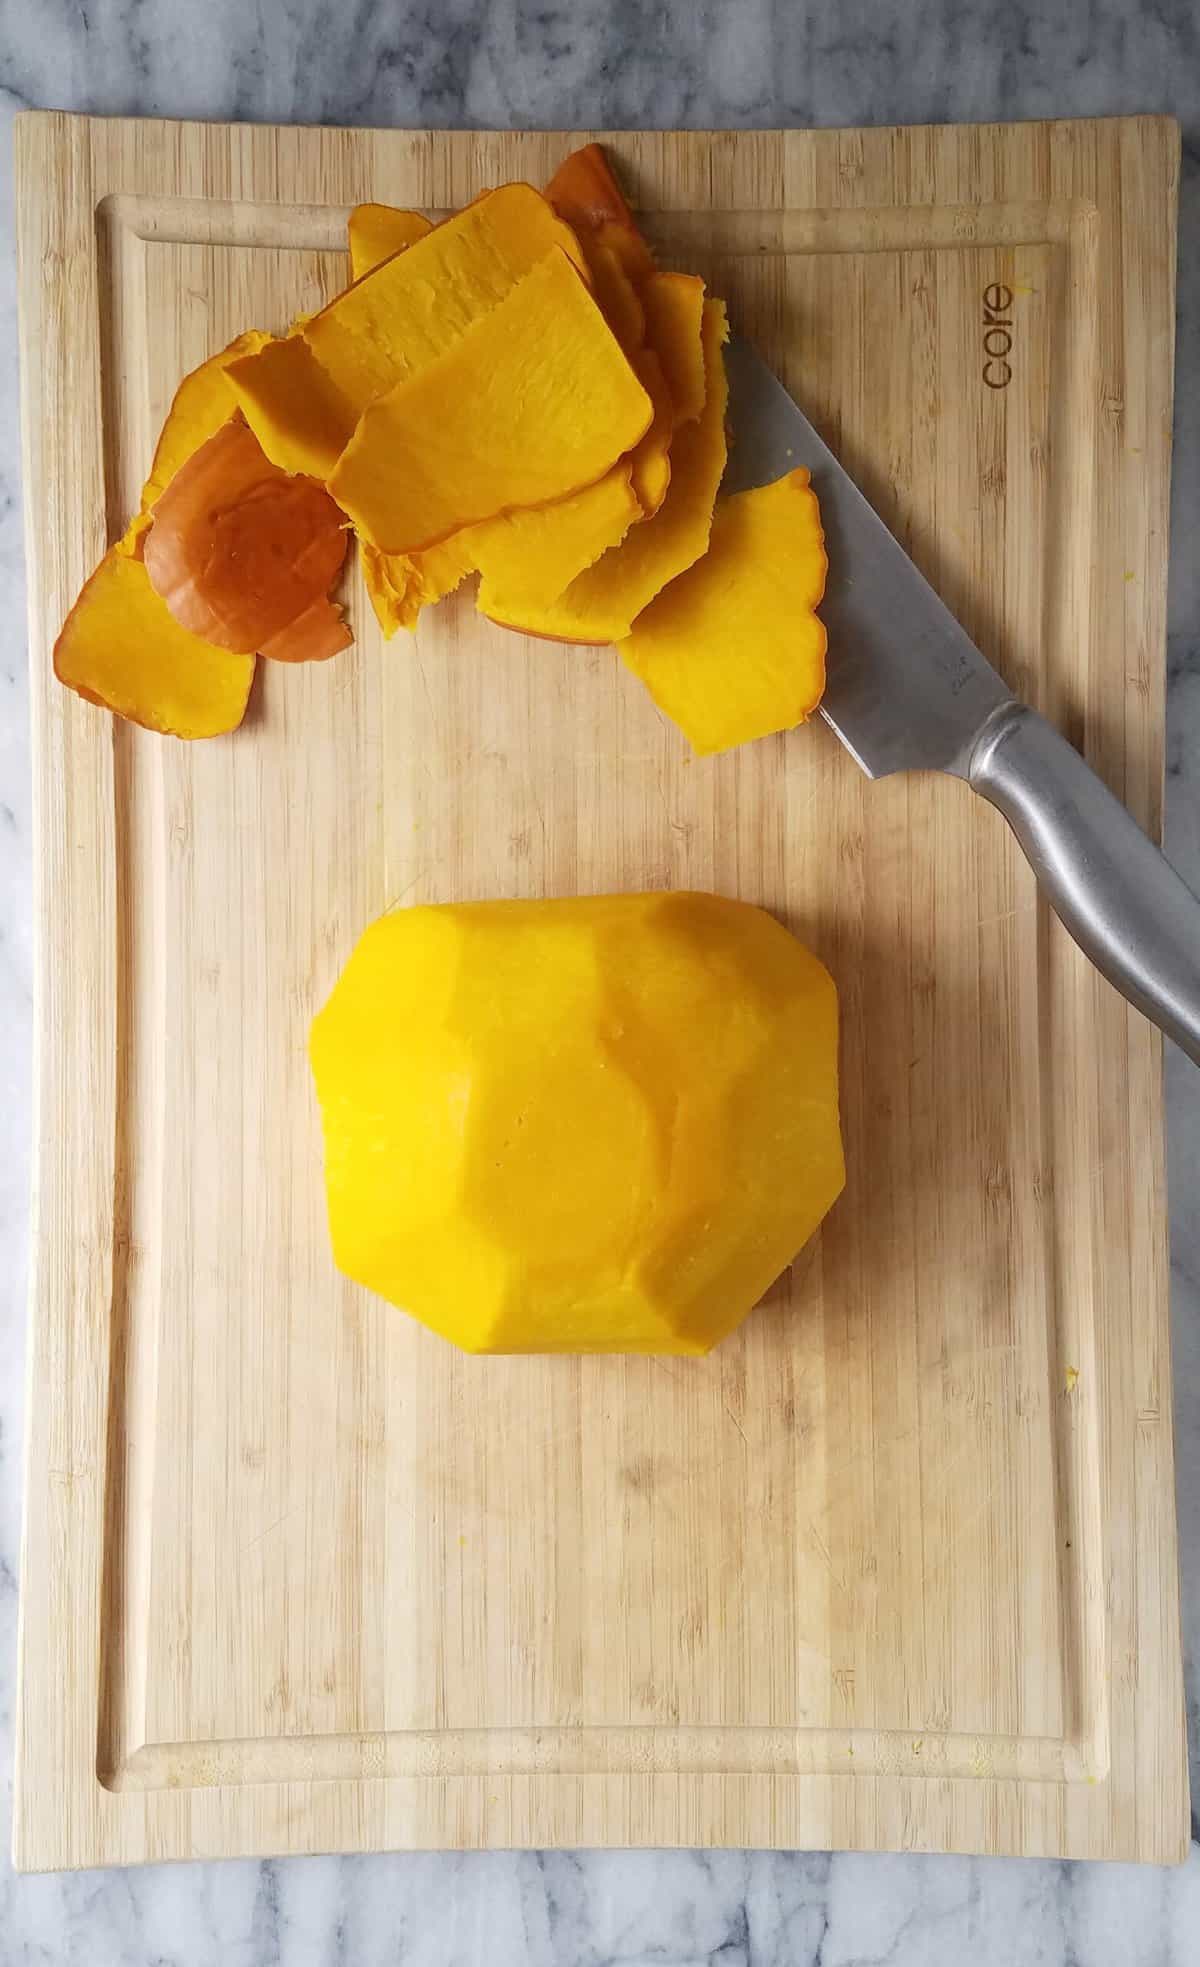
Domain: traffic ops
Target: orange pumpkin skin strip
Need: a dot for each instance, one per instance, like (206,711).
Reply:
(408,311)
(399,585)
(120,647)
(298,414)
(199,407)
(237,548)
(314,636)
(650,460)
(531,557)
(603,603)
(535,402)
(375,232)
(733,649)
(616,295)
(584,191)
(528,557)
(674,314)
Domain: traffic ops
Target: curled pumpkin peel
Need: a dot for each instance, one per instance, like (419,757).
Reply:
(584,191)
(533,403)
(616,296)
(733,649)
(603,603)
(199,407)
(300,417)
(650,459)
(515,392)
(375,232)
(413,307)
(239,549)
(673,304)
(120,646)
(399,585)
(317,634)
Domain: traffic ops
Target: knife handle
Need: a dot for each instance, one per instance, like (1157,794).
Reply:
(1108,884)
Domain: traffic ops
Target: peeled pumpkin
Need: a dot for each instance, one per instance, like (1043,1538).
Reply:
(375,232)
(602,604)
(455,1057)
(120,647)
(732,650)
(531,404)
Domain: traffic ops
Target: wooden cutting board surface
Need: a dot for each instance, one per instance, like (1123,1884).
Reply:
(895,1568)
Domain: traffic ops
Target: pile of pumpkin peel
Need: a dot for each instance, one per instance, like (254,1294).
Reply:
(518,394)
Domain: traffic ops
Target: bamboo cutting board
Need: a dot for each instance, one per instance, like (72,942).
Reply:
(895,1568)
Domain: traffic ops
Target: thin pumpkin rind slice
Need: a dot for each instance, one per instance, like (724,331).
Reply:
(616,295)
(375,232)
(411,309)
(121,647)
(399,585)
(603,603)
(300,417)
(415,306)
(199,407)
(314,636)
(733,650)
(238,548)
(536,401)
(586,193)
(673,304)
(650,459)
(529,558)
(387,578)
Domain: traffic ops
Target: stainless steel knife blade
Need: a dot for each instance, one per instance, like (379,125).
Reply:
(907,690)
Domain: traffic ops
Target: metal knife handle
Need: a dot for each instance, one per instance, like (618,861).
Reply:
(1111,888)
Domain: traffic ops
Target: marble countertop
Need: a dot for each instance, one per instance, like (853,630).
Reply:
(750,63)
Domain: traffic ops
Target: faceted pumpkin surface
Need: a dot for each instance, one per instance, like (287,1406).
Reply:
(590,1125)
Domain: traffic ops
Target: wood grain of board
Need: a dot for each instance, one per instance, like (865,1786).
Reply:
(895,1568)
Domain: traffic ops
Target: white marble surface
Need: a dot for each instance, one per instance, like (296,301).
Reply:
(625,63)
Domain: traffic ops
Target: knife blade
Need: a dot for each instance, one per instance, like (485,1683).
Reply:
(907,690)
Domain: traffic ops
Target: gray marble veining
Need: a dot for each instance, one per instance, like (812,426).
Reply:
(630,63)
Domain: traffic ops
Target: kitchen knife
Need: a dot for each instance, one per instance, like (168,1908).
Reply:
(908,691)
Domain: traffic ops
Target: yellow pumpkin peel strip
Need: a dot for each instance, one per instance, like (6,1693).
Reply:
(733,650)
(533,403)
(409,310)
(603,603)
(375,232)
(120,647)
